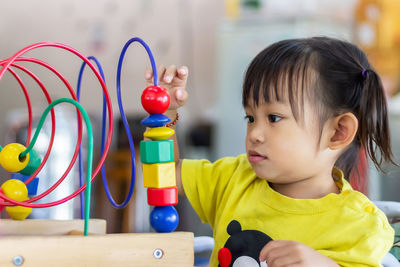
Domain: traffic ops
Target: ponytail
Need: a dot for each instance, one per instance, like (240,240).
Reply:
(373,132)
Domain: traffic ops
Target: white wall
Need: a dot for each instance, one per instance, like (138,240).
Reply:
(178,31)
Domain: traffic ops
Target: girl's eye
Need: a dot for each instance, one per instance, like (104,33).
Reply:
(274,118)
(249,118)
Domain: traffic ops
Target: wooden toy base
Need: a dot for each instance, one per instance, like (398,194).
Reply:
(45,243)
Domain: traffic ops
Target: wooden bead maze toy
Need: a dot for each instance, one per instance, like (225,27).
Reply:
(25,242)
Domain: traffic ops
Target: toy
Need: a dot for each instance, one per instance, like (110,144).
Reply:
(10,157)
(164,219)
(159,173)
(162,196)
(18,158)
(155,99)
(25,165)
(33,163)
(157,151)
(11,62)
(32,186)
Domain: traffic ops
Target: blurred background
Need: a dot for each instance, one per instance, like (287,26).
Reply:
(215,39)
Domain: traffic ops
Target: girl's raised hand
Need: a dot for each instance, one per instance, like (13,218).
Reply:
(174,79)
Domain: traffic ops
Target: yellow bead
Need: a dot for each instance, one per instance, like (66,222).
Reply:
(15,189)
(9,157)
(159,133)
(19,212)
(159,175)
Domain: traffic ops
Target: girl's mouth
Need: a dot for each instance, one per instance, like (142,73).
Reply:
(255,157)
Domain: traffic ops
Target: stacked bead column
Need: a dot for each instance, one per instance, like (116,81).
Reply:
(158,163)
(21,168)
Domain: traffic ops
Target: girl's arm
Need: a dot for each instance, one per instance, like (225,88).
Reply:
(174,79)
(172,115)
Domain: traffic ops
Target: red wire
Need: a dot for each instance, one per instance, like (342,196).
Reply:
(49,100)
(79,140)
(28,102)
(110,125)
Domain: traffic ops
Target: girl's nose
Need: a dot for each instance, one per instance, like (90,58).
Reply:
(256,135)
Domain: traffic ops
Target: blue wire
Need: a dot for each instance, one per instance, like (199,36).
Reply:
(123,117)
(124,120)
(121,59)
(103,131)
(78,93)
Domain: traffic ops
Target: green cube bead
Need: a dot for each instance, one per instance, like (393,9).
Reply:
(157,151)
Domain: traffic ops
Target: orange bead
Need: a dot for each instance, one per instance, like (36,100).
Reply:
(9,157)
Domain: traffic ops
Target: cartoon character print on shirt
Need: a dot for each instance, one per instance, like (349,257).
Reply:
(242,249)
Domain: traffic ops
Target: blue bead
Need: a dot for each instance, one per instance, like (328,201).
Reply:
(155,120)
(32,186)
(164,219)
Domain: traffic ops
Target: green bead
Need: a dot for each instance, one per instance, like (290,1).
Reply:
(157,151)
(33,164)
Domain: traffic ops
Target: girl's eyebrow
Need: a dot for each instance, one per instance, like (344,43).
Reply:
(248,108)
(281,105)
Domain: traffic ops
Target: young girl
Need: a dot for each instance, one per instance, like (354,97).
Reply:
(311,105)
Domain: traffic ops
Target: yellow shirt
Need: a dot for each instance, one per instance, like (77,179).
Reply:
(346,227)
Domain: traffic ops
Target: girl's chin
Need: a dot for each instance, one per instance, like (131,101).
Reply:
(262,175)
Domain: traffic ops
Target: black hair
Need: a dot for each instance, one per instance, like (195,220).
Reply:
(336,77)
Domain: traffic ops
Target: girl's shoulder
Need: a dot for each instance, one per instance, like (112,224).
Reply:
(360,206)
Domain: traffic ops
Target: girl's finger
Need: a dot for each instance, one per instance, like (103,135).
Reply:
(161,72)
(170,73)
(266,250)
(181,97)
(278,257)
(183,72)
(281,258)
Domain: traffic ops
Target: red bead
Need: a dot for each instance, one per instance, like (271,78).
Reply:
(162,196)
(224,257)
(155,99)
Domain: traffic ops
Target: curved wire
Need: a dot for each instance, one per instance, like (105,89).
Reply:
(27,203)
(90,153)
(28,102)
(53,118)
(125,122)
(78,93)
(90,149)
(105,96)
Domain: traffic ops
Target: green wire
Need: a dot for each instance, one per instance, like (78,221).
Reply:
(90,150)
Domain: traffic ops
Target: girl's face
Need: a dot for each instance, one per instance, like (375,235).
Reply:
(279,148)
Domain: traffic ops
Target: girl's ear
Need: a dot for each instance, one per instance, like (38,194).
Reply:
(344,129)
